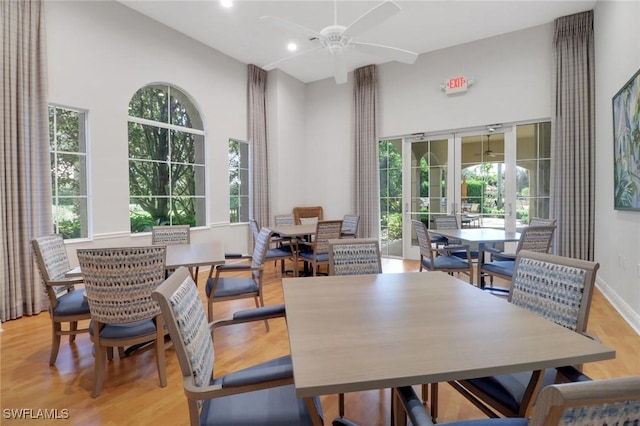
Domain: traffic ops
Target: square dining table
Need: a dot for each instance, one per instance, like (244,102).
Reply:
(364,332)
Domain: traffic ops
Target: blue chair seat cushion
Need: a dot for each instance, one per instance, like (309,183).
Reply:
(232,286)
(320,257)
(446,262)
(503,267)
(277,406)
(72,303)
(462,254)
(509,389)
(284,251)
(126,331)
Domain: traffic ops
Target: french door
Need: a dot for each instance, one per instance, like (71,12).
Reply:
(495,177)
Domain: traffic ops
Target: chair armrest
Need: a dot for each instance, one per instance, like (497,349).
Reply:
(341,421)
(570,374)
(260,375)
(591,336)
(235,267)
(236,256)
(65,281)
(250,315)
(490,249)
(412,406)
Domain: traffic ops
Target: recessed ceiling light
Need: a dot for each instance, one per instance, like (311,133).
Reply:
(226,3)
(292,47)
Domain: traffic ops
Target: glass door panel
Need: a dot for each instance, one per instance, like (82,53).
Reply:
(482,171)
(427,186)
(533,169)
(390,155)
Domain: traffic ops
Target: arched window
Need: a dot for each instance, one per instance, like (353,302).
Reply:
(166,159)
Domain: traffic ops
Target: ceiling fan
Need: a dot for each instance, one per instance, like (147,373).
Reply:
(337,39)
(488,152)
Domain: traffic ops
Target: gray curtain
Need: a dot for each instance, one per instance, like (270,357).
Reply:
(257,87)
(367,177)
(573,136)
(25,180)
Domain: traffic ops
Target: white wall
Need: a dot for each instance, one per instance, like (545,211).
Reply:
(511,83)
(99,55)
(617,236)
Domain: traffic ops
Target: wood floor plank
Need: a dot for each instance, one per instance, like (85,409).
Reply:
(132,395)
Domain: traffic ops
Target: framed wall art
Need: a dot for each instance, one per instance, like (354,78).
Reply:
(626,145)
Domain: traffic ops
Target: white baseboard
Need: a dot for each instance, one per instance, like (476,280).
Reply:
(623,308)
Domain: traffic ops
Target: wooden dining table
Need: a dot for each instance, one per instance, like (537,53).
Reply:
(364,332)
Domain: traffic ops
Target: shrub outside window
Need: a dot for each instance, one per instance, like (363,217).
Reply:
(68,148)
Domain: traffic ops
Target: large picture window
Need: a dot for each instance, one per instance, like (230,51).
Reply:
(166,160)
(238,181)
(68,148)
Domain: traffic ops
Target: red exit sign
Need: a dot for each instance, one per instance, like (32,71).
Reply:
(456,84)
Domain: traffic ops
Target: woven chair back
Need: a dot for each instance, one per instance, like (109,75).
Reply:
(255,229)
(445,222)
(260,249)
(52,256)
(555,287)
(119,282)
(350,223)
(325,231)
(536,238)
(537,221)
(285,219)
(167,235)
(184,315)
(424,240)
(355,256)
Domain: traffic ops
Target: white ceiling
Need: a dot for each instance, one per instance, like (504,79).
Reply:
(420,26)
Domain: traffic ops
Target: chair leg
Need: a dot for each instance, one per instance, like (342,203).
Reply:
(161,361)
(100,356)
(434,402)
(341,405)
(209,310)
(259,304)
(55,342)
(73,326)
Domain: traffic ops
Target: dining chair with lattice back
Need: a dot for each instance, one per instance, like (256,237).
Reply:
(532,238)
(557,288)
(353,256)
(262,394)
(119,283)
(229,284)
(281,252)
(67,303)
(440,258)
(174,234)
(316,252)
(350,224)
(308,215)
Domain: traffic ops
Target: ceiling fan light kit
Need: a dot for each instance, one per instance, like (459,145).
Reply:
(337,39)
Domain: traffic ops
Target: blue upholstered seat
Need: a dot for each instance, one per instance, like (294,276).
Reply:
(320,257)
(126,331)
(446,262)
(72,303)
(502,267)
(232,286)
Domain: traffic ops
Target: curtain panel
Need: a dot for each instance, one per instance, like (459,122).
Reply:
(367,175)
(25,179)
(257,88)
(573,136)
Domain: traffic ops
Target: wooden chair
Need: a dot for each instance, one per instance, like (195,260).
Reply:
(533,238)
(557,288)
(598,402)
(353,256)
(66,303)
(119,283)
(221,288)
(174,234)
(537,221)
(350,224)
(450,222)
(262,394)
(440,259)
(281,252)
(307,215)
(316,253)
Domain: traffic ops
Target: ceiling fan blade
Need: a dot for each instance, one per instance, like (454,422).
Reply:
(291,26)
(373,17)
(275,64)
(391,53)
(339,68)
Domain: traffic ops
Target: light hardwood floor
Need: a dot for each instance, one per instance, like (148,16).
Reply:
(132,396)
